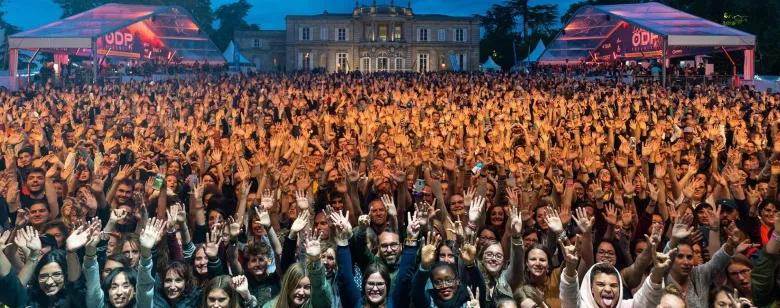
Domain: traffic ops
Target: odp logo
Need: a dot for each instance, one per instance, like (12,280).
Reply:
(642,37)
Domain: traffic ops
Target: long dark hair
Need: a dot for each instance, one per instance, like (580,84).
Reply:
(185,272)
(132,278)
(382,270)
(54,256)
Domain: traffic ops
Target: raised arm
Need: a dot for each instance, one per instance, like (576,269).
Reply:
(516,269)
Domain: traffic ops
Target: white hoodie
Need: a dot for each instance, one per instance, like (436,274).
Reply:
(575,296)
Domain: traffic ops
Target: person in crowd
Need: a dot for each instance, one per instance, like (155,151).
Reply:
(243,190)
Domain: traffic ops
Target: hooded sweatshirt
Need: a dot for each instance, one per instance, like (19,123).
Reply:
(575,296)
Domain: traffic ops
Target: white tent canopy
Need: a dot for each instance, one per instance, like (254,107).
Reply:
(490,65)
(536,53)
(228,54)
(639,31)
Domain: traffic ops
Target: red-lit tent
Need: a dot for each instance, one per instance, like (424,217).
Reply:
(140,32)
(644,30)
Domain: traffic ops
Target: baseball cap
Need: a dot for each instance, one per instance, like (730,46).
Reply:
(726,203)
(688,130)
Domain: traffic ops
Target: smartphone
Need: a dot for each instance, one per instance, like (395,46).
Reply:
(419,184)
(158,181)
(193,180)
(633,143)
(476,168)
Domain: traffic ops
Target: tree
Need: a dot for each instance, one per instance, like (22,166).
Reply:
(231,19)
(537,17)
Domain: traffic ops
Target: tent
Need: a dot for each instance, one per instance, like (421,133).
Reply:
(142,32)
(534,56)
(641,31)
(490,65)
(228,54)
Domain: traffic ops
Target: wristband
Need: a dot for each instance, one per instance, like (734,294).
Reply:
(471,226)
(569,184)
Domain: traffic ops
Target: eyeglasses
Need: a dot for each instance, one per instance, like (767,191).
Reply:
(490,255)
(606,253)
(744,273)
(442,283)
(487,238)
(372,285)
(57,276)
(391,246)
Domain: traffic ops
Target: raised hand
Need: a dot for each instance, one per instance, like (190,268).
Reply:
(475,210)
(267,200)
(413,225)
(213,240)
(263,216)
(151,235)
(584,223)
(234,226)
(713,217)
(553,220)
(428,252)
(389,203)
(469,194)
(4,240)
(682,227)
(611,214)
(171,214)
(343,227)
(301,199)
(301,222)
(241,286)
(77,239)
(363,222)
(312,245)
(571,253)
(474,298)
(468,250)
(515,223)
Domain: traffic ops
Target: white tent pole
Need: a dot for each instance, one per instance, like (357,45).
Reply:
(663,64)
(94,62)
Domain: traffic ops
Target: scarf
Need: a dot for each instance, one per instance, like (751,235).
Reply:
(461,297)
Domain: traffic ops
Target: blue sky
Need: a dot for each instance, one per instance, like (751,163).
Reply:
(269,14)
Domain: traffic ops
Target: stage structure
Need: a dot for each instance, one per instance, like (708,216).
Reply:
(140,32)
(642,31)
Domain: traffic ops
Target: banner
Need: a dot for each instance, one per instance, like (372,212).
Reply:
(136,41)
(454,62)
(629,41)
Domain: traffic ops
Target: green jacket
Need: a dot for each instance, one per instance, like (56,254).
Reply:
(765,293)
(362,255)
(320,289)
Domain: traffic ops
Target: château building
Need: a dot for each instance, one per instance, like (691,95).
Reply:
(370,39)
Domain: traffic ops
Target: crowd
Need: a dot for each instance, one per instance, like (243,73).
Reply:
(389,190)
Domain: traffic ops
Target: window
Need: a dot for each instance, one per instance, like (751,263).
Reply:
(460,35)
(257,43)
(423,37)
(422,62)
(341,34)
(324,34)
(383,33)
(441,35)
(461,60)
(341,62)
(304,61)
(382,63)
(365,64)
(305,34)
(397,33)
(399,64)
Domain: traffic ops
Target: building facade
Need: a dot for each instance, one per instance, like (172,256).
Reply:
(370,39)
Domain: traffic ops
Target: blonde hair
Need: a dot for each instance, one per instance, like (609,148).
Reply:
(290,281)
